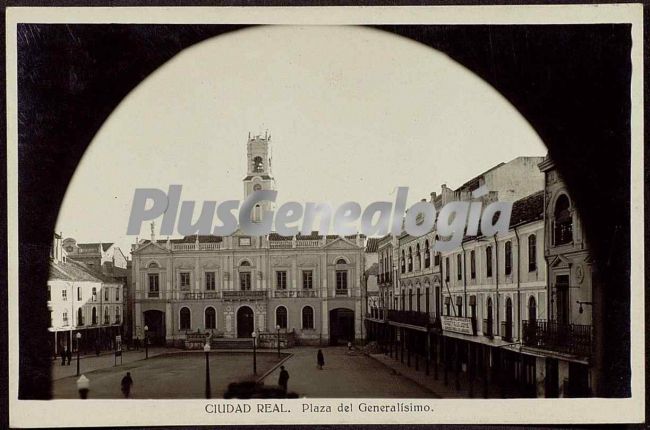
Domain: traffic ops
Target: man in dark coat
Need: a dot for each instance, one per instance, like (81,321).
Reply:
(69,355)
(64,354)
(126,385)
(284,378)
(320,359)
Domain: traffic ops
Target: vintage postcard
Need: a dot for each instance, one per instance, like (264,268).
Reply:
(325,215)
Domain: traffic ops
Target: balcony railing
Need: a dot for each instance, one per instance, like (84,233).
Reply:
(244,295)
(307,293)
(421,319)
(506,330)
(210,246)
(487,328)
(377,313)
(153,294)
(201,295)
(342,292)
(568,338)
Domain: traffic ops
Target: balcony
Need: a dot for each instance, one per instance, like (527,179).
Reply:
(244,295)
(506,330)
(487,328)
(421,319)
(573,339)
(153,294)
(307,293)
(342,292)
(200,295)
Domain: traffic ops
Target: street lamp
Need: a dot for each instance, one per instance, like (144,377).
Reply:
(78,348)
(83,385)
(277,327)
(146,342)
(254,335)
(206,349)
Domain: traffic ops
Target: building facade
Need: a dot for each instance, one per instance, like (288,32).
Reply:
(82,301)
(305,287)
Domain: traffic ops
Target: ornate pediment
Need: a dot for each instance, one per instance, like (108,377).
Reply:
(560,261)
(342,243)
(152,248)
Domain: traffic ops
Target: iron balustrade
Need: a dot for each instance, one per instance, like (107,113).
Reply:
(201,295)
(153,294)
(568,338)
(487,328)
(506,330)
(421,319)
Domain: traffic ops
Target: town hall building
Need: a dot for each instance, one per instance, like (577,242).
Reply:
(305,288)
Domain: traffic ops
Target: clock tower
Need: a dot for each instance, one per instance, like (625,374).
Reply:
(259,176)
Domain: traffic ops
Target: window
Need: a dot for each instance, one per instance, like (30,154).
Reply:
(341,261)
(258,164)
(307,318)
(532,309)
(563,223)
(281,280)
(94,295)
(459,266)
(427,255)
(436,260)
(446,269)
(117,314)
(426,300)
(417,257)
(410,299)
(65,317)
(281,317)
(94,316)
(80,317)
(210,281)
(185,280)
(448,306)
(417,300)
(64,295)
(117,294)
(410,260)
(49,293)
(459,305)
(153,285)
(185,319)
(508,257)
(403,264)
(210,318)
(403,300)
(106,294)
(342,280)
(472,264)
(245,281)
(107,319)
(307,279)
(532,253)
(488,261)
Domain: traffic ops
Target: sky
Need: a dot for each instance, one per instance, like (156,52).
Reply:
(353,113)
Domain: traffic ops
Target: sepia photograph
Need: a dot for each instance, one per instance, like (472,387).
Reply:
(325,215)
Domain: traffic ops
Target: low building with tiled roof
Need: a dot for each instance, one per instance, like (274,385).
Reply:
(95,254)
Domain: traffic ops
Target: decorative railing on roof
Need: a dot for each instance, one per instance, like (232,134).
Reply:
(209,246)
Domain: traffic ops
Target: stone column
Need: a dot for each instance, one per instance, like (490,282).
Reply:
(169,323)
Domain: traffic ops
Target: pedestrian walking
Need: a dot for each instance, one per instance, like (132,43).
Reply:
(69,355)
(64,354)
(127,381)
(349,346)
(320,359)
(284,378)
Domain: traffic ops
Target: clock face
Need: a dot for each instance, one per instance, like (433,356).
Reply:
(257,187)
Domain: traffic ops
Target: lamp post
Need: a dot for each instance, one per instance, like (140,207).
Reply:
(206,349)
(83,385)
(254,335)
(277,327)
(78,336)
(146,342)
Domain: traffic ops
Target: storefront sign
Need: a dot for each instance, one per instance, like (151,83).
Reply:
(457,324)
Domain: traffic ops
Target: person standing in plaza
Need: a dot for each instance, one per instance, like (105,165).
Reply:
(320,359)
(284,378)
(64,354)
(69,355)
(126,385)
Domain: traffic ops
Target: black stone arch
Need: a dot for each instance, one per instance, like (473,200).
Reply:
(571,82)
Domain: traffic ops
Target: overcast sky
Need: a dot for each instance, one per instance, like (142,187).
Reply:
(353,113)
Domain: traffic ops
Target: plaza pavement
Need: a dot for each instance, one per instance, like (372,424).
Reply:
(345,374)
(176,375)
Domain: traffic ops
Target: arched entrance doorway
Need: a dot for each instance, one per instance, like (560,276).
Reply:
(245,322)
(155,322)
(341,326)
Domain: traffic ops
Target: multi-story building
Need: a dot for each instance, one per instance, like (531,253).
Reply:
(81,300)
(306,287)
(96,255)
